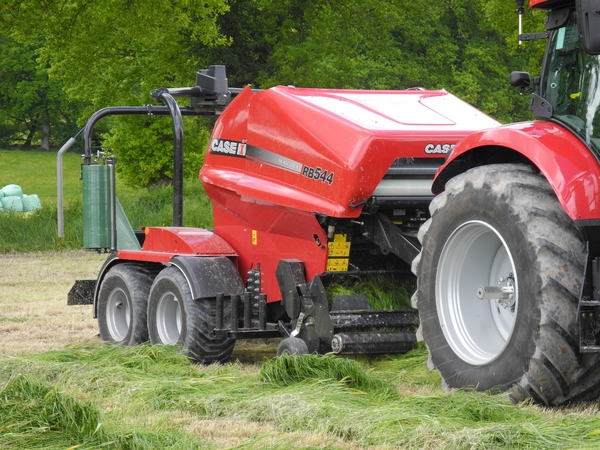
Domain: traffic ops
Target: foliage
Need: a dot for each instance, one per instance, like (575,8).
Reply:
(35,415)
(293,369)
(155,207)
(74,57)
(117,51)
(44,410)
(459,45)
(38,230)
(34,110)
(144,149)
(382,292)
(114,52)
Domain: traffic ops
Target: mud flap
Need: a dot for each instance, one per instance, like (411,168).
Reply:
(82,293)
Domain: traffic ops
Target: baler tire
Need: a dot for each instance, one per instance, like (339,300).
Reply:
(537,355)
(122,304)
(292,346)
(175,318)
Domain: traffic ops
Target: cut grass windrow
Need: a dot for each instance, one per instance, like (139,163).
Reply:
(152,397)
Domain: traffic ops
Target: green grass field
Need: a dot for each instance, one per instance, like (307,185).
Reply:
(35,172)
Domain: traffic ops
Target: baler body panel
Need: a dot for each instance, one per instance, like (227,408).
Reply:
(163,243)
(279,158)
(565,161)
(326,151)
(266,233)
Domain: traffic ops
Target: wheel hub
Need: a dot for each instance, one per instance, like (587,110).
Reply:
(118,314)
(169,319)
(476,292)
(503,292)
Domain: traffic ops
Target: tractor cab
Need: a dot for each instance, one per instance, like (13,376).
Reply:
(568,85)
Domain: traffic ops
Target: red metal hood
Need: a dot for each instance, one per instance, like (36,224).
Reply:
(325,151)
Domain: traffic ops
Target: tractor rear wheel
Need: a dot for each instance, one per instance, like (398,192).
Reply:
(175,318)
(122,304)
(498,283)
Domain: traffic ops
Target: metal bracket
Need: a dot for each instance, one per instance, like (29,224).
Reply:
(298,325)
(390,239)
(540,107)
(305,303)
(589,312)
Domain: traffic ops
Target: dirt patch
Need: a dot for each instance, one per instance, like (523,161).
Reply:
(34,315)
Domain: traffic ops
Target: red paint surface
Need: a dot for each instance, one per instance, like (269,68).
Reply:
(562,158)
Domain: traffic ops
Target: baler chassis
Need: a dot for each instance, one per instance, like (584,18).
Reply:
(349,328)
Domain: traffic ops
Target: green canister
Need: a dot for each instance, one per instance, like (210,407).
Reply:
(97,196)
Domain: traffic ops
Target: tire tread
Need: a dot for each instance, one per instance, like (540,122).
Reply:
(557,373)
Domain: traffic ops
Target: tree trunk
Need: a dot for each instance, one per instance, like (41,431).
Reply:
(29,138)
(46,131)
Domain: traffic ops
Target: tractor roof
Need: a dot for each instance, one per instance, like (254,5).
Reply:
(550,4)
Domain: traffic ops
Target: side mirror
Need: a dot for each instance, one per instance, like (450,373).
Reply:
(522,80)
(588,12)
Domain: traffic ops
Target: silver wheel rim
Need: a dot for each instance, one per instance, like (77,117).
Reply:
(168,318)
(118,316)
(476,330)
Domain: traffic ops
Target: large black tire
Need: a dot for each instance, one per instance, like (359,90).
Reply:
(122,303)
(493,222)
(175,318)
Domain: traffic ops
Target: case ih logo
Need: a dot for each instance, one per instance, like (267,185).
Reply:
(438,148)
(225,147)
(268,158)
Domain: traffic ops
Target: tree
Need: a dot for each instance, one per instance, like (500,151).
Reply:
(114,52)
(465,46)
(30,104)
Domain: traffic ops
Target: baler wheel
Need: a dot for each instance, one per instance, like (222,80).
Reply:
(175,318)
(292,346)
(122,304)
(499,277)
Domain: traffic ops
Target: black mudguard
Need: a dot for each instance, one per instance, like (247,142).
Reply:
(208,276)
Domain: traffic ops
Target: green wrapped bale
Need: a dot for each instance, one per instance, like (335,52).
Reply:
(12,203)
(31,203)
(12,190)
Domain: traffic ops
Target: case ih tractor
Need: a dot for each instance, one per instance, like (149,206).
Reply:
(314,185)
(508,278)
